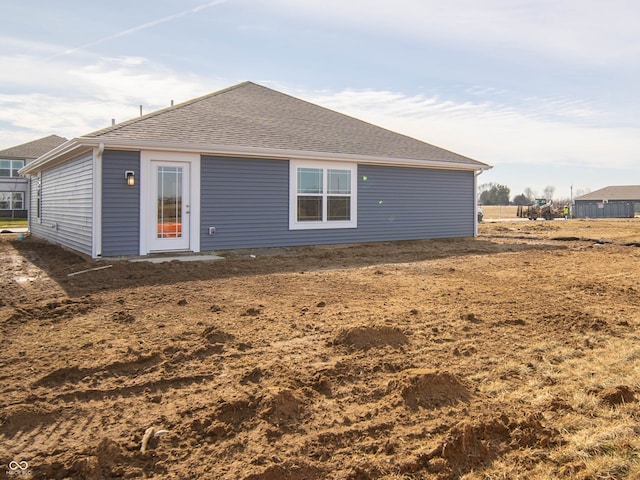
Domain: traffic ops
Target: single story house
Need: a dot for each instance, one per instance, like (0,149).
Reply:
(247,167)
(621,201)
(14,189)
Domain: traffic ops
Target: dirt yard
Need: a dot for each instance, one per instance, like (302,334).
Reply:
(515,355)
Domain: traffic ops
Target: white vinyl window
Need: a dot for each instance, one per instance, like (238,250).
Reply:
(322,195)
(9,168)
(11,201)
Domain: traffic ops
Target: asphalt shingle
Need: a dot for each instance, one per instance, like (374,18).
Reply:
(34,149)
(615,192)
(251,115)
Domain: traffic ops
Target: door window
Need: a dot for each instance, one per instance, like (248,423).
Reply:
(169,202)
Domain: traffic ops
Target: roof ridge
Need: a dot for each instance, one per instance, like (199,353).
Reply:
(126,123)
(155,113)
(250,115)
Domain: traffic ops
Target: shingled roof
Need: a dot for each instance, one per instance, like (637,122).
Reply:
(253,116)
(615,192)
(34,149)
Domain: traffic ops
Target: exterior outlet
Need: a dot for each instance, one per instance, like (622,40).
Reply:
(212,231)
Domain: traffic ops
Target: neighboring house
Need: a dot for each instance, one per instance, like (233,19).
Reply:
(14,198)
(247,167)
(610,202)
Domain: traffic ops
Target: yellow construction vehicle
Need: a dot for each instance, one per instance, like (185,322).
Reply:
(541,207)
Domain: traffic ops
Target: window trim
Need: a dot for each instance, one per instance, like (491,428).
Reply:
(294,224)
(11,201)
(21,194)
(21,163)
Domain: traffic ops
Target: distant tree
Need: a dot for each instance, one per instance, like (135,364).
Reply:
(578,192)
(529,193)
(562,200)
(548,192)
(482,191)
(522,199)
(495,194)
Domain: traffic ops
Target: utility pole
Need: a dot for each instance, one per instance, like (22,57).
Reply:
(571,202)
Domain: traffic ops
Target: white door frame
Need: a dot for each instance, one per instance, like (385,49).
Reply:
(148,202)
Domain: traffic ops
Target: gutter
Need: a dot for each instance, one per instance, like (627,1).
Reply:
(74,146)
(64,150)
(274,153)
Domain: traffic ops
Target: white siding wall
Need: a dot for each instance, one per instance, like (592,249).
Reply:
(67,215)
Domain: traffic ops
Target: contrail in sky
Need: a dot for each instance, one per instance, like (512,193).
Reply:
(144,26)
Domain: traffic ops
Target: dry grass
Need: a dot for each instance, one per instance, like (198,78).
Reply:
(605,229)
(599,441)
(492,212)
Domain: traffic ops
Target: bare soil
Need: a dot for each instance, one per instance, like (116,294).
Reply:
(510,355)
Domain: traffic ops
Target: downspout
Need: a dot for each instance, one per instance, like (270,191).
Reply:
(29,211)
(475,202)
(97,201)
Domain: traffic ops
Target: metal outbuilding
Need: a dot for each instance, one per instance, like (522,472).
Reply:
(622,201)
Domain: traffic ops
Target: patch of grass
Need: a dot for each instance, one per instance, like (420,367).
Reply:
(13,223)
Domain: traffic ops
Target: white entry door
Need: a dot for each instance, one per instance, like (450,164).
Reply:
(170,210)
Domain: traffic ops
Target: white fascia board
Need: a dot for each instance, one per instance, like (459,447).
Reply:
(60,154)
(272,153)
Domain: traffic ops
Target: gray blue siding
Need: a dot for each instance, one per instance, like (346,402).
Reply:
(396,203)
(67,207)
(611,209)
(247,200)
(120,204)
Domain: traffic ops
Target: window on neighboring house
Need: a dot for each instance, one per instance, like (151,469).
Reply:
(11,201)
(9,168)
(322,195)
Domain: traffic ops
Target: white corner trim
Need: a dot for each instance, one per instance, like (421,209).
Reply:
(96,240)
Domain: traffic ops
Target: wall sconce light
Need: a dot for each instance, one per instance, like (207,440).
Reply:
(130,177)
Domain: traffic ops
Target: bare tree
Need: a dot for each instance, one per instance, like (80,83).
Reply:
(548,192)
(578,192)
(529,193)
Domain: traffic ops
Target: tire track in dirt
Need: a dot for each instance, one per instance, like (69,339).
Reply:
(47,418)
(437,366)
(75,374)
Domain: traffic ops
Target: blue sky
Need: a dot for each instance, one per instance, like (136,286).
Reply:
(545,91)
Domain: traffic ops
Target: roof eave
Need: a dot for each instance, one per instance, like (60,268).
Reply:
(273,153)
(79,145)
(61,153)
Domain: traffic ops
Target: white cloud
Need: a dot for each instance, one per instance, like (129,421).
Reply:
(133,79)
(144,26)
(59,97)
(558,132)
(587,31)
(490,125)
